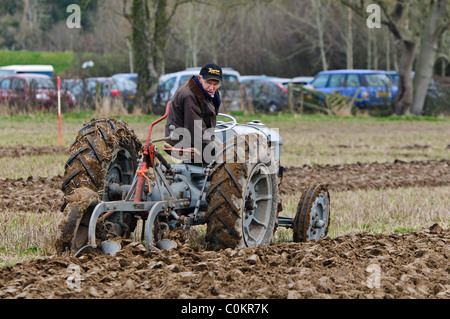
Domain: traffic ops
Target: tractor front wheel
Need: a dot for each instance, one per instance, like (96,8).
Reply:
(312,219)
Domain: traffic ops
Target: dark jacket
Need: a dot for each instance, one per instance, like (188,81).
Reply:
(189,108)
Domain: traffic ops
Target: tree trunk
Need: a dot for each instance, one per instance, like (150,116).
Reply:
(150,21)
(388,52)
(320,32)
(141,49)
(349,40)
(425,63)
(369,48)
(404,97)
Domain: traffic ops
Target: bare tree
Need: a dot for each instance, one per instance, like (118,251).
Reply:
(190,31)
(320,8)
(407,20)
(344,29)
(30,33)
(437,22)
(150,21)
(311,16)
(110,28)
(443,54)
(349,40)
(393,21)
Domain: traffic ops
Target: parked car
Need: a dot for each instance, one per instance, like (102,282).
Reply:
(72,85)
(376,88)
(302,79)
(436,98)
(116,88)
(230,91)
(127,76)
(33,88)
(265,93)
(433,92)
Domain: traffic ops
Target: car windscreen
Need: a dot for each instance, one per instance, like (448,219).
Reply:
(167,85)
(320,81)
(230,82)
(40,83)
(125,85)
(184,78)
(101,84)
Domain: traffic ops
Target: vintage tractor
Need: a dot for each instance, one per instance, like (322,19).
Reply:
(111,181)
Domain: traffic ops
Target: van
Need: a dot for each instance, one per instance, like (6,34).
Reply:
(29,68)
(230,90)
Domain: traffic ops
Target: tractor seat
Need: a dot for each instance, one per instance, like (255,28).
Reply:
(180,153)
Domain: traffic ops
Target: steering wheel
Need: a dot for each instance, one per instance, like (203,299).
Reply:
(228,125)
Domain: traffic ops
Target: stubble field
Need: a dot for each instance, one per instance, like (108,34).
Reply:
(389,184)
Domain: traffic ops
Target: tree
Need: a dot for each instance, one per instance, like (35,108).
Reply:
(438,21)
(314,15)
(406,20)
(150,21)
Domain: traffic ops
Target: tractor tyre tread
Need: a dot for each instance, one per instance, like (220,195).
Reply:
(92,153)
(225,195)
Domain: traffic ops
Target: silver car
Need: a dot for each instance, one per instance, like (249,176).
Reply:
(230,90)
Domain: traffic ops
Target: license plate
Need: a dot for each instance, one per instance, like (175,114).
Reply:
(383,94)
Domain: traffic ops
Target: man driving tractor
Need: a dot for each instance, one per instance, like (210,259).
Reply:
(193,111)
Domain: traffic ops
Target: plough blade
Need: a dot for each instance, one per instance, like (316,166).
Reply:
(109,247)
(166,244)
(86,250)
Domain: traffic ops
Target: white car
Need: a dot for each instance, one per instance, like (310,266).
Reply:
(302,79)
(230,90)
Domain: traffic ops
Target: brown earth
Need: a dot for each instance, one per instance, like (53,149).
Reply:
(401,265)
(19,151)
(46,195)
(369,175)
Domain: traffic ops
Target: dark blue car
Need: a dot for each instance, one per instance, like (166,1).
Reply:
(376,88)
(266,93)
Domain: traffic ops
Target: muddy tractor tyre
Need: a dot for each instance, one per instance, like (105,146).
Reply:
(312,219)
(104,151)
(73,230)
(243,195)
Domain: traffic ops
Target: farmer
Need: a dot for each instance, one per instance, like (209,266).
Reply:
(193,111)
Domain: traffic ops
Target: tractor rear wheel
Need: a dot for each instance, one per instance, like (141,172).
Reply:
(105,151)
(243,195)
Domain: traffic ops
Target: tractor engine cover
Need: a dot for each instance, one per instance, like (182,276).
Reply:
(254,127)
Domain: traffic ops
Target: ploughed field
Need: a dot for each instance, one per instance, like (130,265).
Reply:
(362,163)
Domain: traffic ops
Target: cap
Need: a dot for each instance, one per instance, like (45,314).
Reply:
(211,71)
